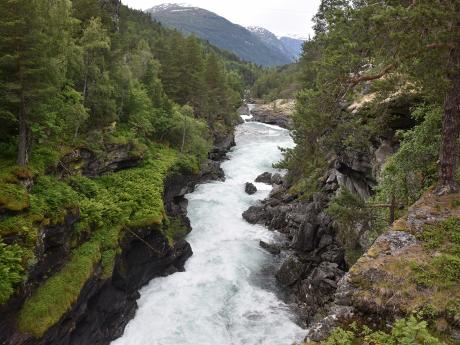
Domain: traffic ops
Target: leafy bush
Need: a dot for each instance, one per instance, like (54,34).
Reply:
(409,331)
(353,217)
(413,168)
(11,269)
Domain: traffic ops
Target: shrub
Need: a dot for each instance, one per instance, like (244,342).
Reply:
(413,169)
(409,331)
(11,269)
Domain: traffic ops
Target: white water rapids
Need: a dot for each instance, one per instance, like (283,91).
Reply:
(224,297)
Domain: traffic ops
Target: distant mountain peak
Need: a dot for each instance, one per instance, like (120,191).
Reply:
(295,36)
(170,6)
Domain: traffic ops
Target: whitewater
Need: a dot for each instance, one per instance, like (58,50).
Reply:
(227,294)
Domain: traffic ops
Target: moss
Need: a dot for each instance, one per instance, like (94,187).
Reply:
(108,262)
(57,295)
(13,197)
(175,230)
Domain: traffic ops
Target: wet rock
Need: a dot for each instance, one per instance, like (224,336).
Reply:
(254,214)
(291,271)
(270,247)
(304,237)
(222,143)
(277,179)
(249,188)
(266,178)
(322,329)
(333,253)
(325,241)
(277,191)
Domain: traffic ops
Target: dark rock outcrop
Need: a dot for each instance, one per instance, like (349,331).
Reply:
(278,113)
(222,143)
(249,188)
(254,214)
(265,177)
(270,247)
(88,163)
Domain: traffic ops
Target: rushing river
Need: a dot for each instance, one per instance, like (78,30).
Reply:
(225,296)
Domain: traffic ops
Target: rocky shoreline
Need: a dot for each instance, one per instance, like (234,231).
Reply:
(314,263)
(105,306)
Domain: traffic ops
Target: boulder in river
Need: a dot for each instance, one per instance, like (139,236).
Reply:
(254,214)
(250,188)
(270,247)
(266,178)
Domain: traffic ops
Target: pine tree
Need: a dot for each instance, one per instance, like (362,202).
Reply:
(32,42)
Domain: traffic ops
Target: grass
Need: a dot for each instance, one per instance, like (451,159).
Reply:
(175,230)
(57,295)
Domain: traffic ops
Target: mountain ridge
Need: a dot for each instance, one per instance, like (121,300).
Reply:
(262,48)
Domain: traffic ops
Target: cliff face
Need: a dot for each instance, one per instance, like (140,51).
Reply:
(411,268)
(107,300)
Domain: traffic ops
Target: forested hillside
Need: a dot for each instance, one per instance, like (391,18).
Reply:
(99,107)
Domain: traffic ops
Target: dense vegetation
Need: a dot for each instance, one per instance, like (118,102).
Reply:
(96,75)
(392,44)
(277,83)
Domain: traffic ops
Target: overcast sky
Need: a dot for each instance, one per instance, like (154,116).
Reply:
(282,17)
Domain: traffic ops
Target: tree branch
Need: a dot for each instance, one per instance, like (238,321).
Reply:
(449,45)
(359,79)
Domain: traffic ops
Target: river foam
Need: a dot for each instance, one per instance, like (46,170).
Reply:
(223,297)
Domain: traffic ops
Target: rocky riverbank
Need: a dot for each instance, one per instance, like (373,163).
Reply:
(314,260)
(106,304)
(277,113)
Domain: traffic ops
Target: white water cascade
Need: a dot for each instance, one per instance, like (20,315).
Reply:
(225,296)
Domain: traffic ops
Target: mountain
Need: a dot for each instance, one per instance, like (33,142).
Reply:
(220,32)
(271,41)
(293,46)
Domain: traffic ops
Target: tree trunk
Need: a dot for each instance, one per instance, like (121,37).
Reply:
(23,145)
(23,156)
(450,129)
(183,134)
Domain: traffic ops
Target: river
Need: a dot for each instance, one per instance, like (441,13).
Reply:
(227,295)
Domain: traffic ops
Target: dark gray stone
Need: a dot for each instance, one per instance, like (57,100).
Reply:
(291,271)
(254,214)
(249,188)
(270,247)
(266,178)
